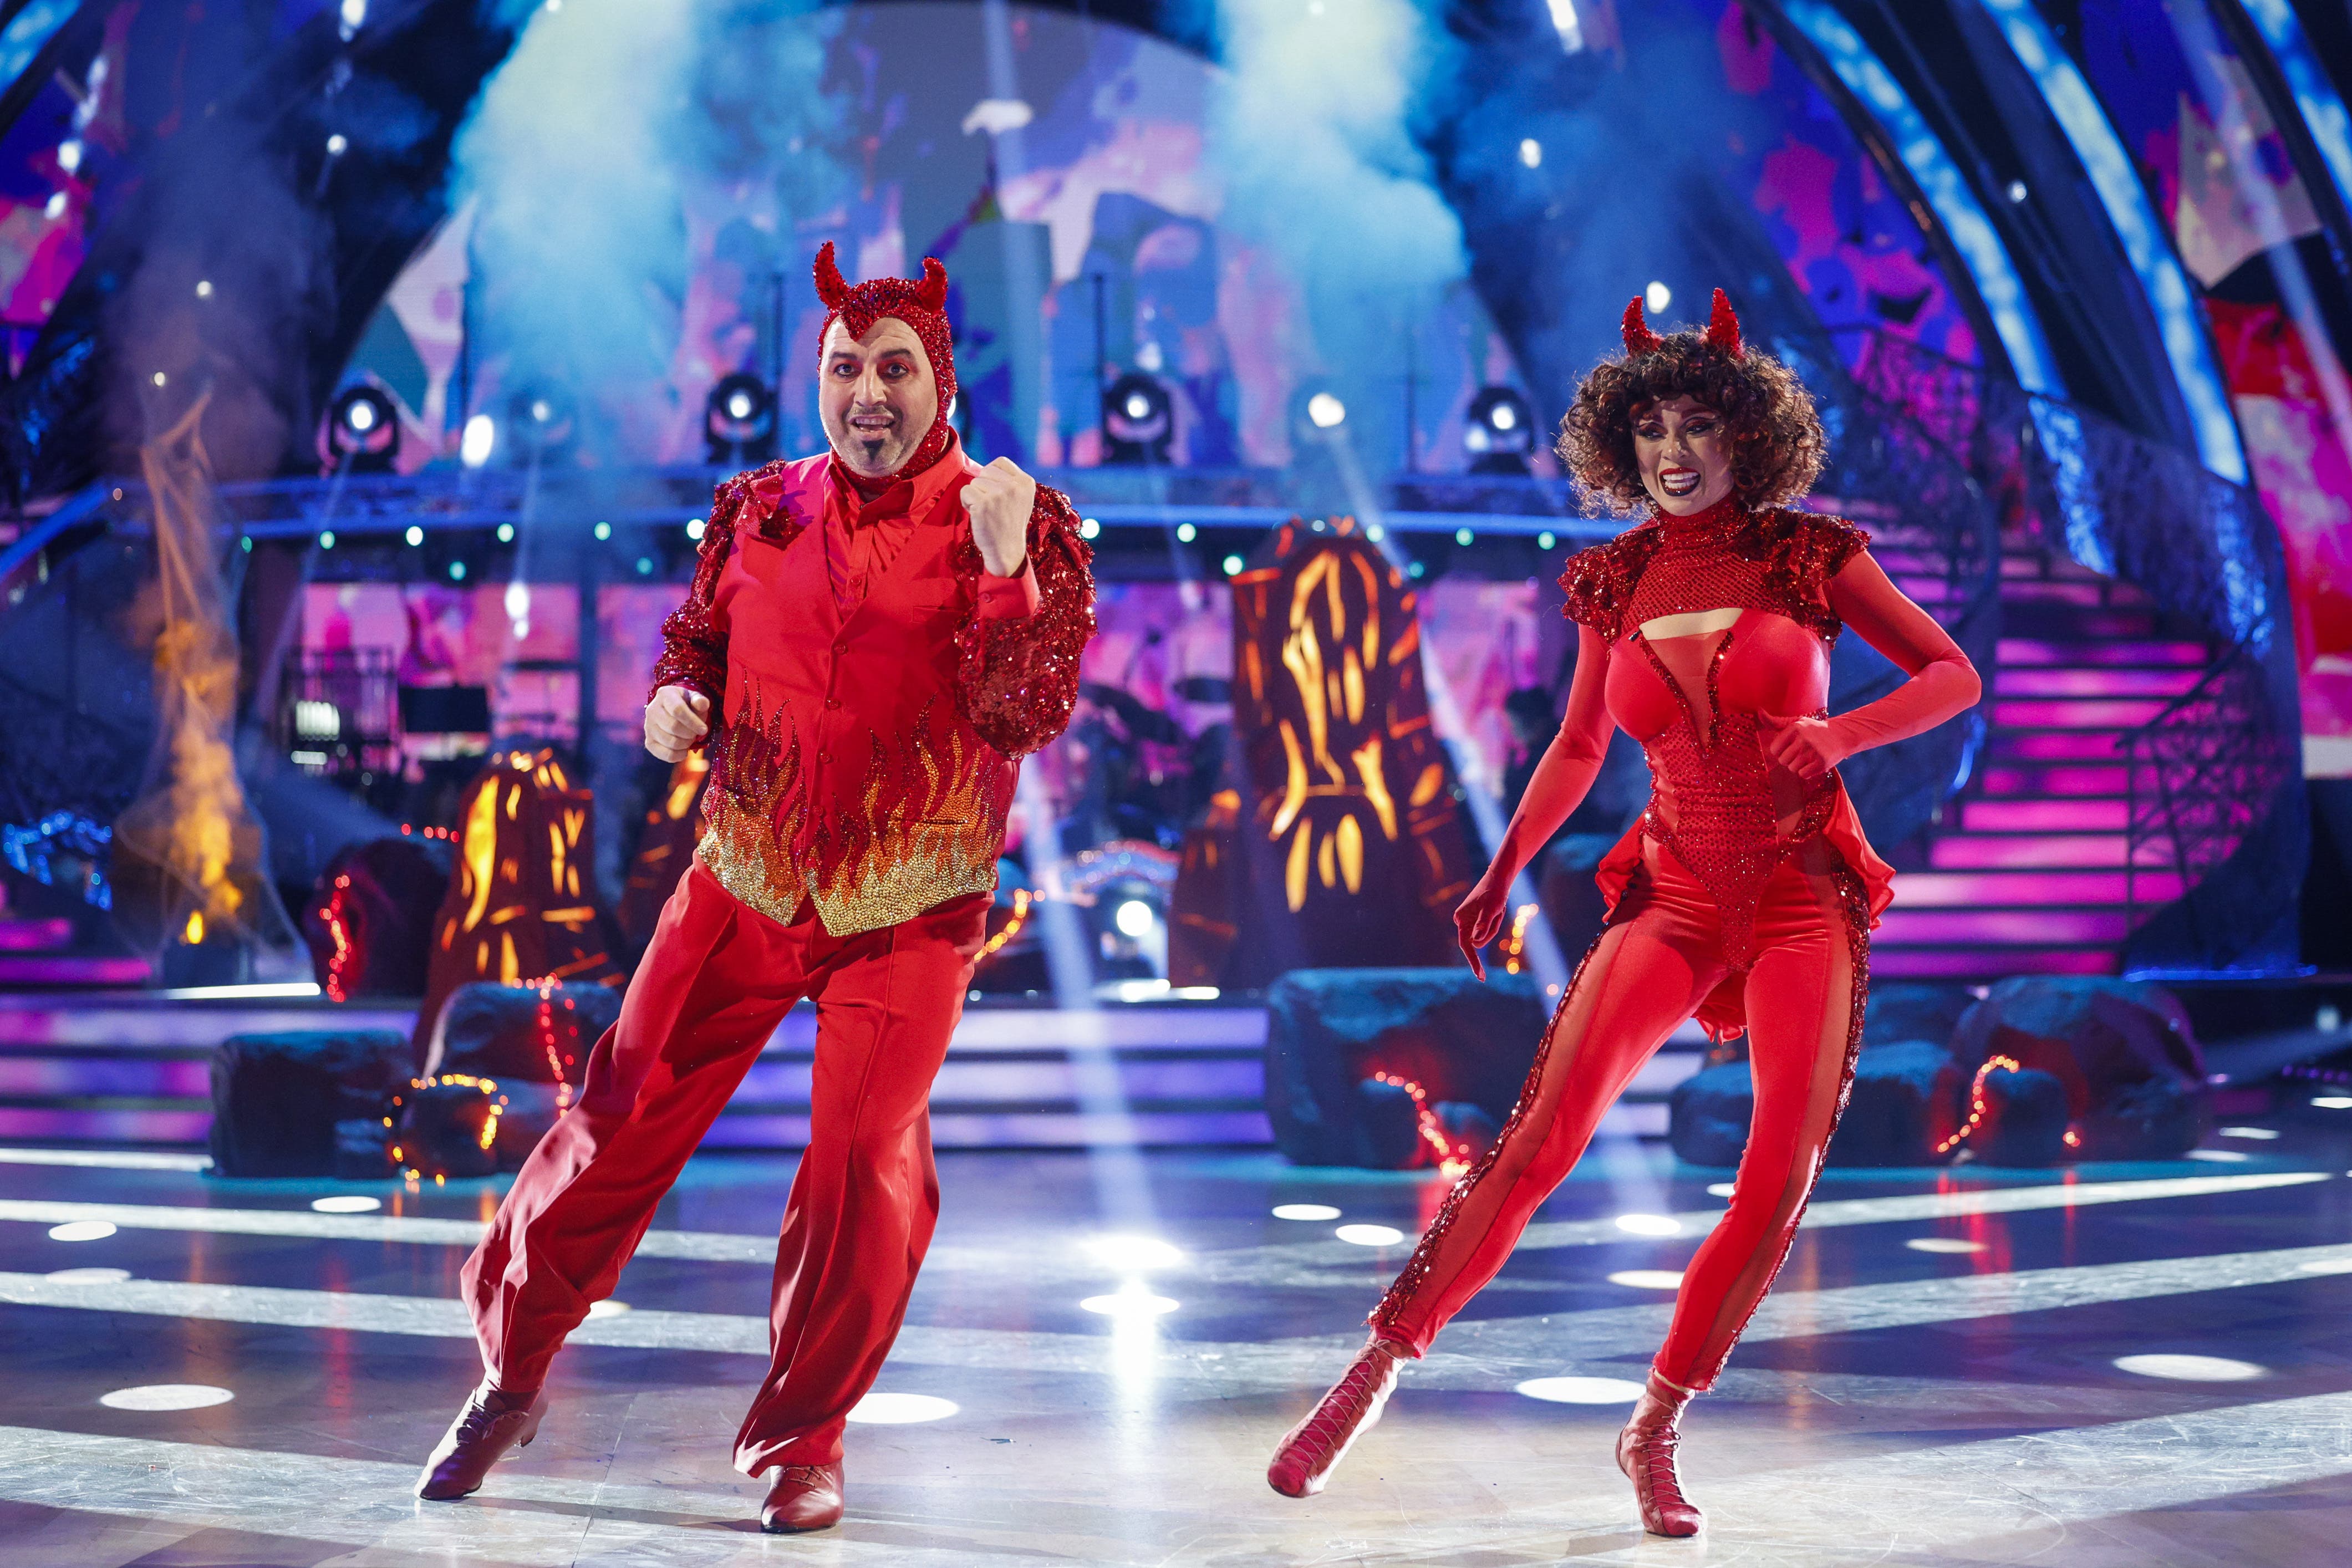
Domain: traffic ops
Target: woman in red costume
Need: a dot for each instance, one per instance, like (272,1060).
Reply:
(1746,893)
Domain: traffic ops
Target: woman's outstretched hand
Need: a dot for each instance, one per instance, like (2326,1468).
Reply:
(1479,919)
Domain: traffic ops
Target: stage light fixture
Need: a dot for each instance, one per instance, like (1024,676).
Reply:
(645,565)
(506,533)
(363,430)
(1139,421)
(204,288)
(1464,538)
(1531,152)
(1135,919)
(1233,564)
(1186,534)
(1088,528)
(542,426)
(326,539)
(1545,540)
(416,536)
(457,571)
(354,13)
(1498,431)
(1325,411)
(739,421)
(69,155)
(694,527)
(604,531)
(338,144)
(479,440)
(1658,297)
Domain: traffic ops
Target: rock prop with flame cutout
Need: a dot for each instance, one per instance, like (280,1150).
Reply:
(521,905)
(1353,855)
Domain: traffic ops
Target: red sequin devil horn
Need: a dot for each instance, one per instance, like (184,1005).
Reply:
(833,288)
(932,293)
(1723,327)
(1639,338)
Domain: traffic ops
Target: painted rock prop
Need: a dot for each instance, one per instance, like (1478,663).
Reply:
(276,1097)
(2123,1050)
(369,921)
(1348,1051)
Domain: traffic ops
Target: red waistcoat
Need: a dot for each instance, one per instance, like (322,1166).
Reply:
(863,758)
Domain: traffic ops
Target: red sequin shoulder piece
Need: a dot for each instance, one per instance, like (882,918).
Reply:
(1799,552)
(694,640)
(1017,680)
(1599,581)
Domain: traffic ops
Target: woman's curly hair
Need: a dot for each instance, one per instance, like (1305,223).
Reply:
(1777,443)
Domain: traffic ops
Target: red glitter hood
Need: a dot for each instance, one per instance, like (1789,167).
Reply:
(922,303)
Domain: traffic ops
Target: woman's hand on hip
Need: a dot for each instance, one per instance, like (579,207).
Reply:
(1806,746)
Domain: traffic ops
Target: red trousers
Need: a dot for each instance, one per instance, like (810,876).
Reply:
(716,982)
(1649,972)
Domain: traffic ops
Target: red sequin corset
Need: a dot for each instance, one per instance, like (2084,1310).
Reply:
(1698,699)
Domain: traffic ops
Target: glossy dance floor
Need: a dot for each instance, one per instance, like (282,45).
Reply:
(2125,1365)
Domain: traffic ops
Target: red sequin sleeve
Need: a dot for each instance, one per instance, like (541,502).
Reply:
(1943,681)
(1018,678)
(694,637)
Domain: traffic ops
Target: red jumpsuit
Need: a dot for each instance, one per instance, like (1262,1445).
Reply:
(1743,895)
(874,689)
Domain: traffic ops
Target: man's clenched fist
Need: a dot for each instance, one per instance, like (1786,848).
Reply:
(675,720)
(1000,498)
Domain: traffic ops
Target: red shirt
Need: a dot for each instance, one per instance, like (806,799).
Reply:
(875,686)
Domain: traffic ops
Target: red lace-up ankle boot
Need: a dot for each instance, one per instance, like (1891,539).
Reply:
(1646,1452)
(1313,1448)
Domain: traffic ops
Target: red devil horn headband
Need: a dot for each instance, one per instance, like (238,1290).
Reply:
(932,293)
(1639,338)
(1722,329)
(831,286)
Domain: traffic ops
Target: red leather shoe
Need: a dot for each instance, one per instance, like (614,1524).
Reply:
(485,1429)
(803,1497)
(1646,1452)
(1313,1450)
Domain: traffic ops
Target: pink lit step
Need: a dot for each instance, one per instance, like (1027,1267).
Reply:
(1991,890)
(2068,623)
(1946,964)
(2037,651)
(2032,682)
(2091,594)
(2061,815)
(34,936)
(2056,746)
(2078,779)
(2077,713)
(61,969)
(2065,851)
(2039,928)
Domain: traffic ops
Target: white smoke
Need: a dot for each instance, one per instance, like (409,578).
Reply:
(595,157)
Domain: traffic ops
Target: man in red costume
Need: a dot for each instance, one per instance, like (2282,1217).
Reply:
(874,637)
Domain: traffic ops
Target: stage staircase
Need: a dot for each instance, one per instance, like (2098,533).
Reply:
(2025,873)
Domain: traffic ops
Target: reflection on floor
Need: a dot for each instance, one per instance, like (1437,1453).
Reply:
(2123,1364)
